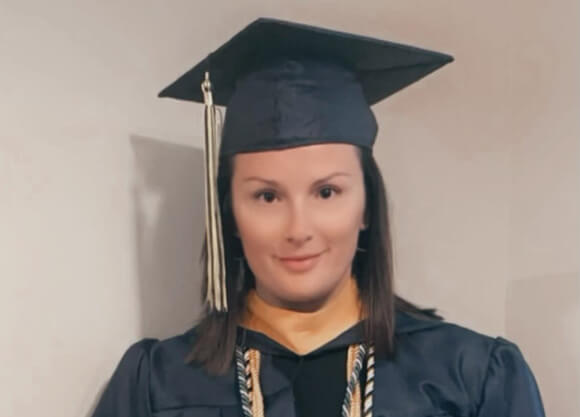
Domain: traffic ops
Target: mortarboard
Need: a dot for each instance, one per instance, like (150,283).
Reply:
(286,84)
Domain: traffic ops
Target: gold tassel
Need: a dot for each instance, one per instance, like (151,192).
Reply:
(216,295)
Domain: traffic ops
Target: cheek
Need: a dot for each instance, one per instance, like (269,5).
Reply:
(340,226)
(258,232)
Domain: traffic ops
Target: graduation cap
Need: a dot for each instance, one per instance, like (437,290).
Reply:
(285,85)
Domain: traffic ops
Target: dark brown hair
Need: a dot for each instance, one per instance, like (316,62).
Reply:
(373,268)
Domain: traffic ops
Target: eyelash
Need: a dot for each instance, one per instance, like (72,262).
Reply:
(258,195)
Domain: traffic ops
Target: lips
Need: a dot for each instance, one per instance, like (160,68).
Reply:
(299,258)
(300,263)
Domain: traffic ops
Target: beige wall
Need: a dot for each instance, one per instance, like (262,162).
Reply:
(543,290)
(100,215)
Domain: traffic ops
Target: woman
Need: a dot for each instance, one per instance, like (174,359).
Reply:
(301,318)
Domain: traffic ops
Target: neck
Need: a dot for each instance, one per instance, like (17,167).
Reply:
(304,331)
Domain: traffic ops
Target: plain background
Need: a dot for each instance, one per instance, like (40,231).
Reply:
(101,209)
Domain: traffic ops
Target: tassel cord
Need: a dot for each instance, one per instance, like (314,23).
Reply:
(216,295)
(248,371)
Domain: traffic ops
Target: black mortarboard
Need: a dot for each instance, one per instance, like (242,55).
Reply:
(287,84)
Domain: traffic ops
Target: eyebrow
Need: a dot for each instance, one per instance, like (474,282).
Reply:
(321,180)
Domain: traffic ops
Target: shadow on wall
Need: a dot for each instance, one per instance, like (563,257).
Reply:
(169,218)
(169,225)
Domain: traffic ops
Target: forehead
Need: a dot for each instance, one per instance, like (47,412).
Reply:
(315,159)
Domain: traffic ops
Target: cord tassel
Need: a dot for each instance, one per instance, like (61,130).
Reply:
(216,295)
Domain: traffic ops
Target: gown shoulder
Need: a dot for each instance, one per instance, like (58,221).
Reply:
(464,372)
(153,376)
(128,391)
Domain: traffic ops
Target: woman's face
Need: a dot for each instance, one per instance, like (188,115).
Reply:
(298,202)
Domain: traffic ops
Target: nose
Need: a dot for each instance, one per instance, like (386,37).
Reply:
(298,230)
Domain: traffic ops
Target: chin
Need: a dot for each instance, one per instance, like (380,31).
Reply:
(304,295)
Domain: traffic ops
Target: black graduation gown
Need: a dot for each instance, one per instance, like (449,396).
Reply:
(440,369)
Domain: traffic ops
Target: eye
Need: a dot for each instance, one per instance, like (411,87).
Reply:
(327,191)
(268,196)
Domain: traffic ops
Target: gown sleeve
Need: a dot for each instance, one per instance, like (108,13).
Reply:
(510,389)
(127,393)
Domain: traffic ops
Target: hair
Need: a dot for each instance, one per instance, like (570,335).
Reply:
(216,332)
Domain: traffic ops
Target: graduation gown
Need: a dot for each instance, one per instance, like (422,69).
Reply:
(440,369)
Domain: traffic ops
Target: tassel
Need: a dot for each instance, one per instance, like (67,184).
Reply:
(216,296)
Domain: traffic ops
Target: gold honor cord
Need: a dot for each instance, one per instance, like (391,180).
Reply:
(355,403)
(215,261)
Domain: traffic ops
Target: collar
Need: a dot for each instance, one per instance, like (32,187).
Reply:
(304,332)
(404,323)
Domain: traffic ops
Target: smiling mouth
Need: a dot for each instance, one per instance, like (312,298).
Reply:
(300,258)
(300,264)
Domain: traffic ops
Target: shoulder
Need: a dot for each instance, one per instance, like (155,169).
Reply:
(151,351)
(442,368)
(160,359)
(447,338)
(169,375)
(447,341)
(454,355)
(151,376)
(145,359)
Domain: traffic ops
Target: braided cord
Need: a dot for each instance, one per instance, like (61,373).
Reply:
(351,403)
(253,374)
(244,383)
(370,383)
(248,371)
